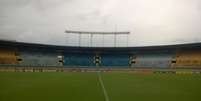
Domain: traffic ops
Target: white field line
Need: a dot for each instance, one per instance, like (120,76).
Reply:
(103,87)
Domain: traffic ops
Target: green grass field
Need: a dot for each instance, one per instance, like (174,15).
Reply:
(87,87)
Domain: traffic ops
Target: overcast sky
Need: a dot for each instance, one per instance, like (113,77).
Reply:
(151,22)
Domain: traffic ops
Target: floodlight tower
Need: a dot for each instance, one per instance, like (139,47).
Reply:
(98,33)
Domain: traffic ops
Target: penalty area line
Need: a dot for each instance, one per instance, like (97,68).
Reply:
(102,86)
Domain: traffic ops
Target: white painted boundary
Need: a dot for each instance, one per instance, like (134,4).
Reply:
(103,87)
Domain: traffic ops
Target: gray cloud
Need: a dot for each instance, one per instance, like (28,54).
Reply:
(151,22)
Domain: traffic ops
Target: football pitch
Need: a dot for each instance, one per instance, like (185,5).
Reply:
(98,86)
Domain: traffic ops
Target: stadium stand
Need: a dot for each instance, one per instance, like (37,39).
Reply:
(153,60)
(78,59)
(39,58)
(115,60)
(188,58)
(8,56)
(21,54)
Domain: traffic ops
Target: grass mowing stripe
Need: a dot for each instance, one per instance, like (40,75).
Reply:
(103,87)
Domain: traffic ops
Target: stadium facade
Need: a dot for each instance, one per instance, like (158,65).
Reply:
(20,54)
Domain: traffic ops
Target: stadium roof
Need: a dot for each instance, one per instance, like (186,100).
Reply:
(11,44)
